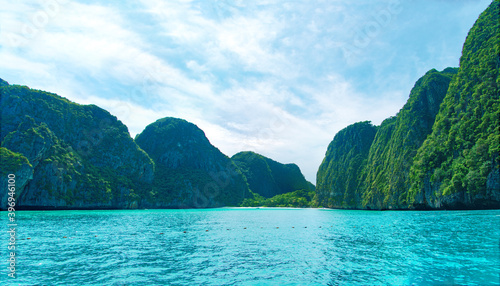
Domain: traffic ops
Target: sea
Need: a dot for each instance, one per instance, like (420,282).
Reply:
(252,246)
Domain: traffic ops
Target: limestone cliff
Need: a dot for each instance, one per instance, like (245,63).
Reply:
(338,178)
(190,171)
(82,156)
(458,166)
(441,151)
(269,178)
(386,181)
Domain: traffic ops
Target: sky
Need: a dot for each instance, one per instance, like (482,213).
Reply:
(279,78)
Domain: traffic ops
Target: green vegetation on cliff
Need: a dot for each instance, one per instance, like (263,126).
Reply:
(273,184)
(69,156)
(296,199)
(386,175)
(440,151)
(459,161)
(269,178)
(11,162)
(339,174)
(82,156)
(190,172)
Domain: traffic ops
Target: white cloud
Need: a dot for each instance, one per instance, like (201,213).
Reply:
(134,116)
(239,41)
(267,76)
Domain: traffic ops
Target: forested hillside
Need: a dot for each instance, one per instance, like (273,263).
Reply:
(440,151)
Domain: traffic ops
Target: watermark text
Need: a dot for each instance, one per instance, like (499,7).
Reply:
(11,203)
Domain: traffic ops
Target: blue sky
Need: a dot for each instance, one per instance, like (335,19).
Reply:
(276,77)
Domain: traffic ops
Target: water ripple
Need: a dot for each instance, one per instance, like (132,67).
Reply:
(257,247)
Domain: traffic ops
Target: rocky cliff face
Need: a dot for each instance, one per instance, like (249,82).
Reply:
(190,172)
(441,151)
(385,181)
(368,167)
(339,174)
(458,165)
(269,178)
(16,166)
(81,156)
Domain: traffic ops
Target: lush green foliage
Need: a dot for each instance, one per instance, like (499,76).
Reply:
(175,136)
(296,199)
(81,154)
(463,149)
(441,150)
(190,172)
(267,177)
(386,176)
(57,165)
(11,162)
(339,174)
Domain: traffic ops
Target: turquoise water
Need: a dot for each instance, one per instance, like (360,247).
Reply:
(254,247)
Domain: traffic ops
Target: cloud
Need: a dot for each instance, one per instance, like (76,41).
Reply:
(242,41)
(276,77)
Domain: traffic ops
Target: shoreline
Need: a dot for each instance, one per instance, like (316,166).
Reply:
(246,208)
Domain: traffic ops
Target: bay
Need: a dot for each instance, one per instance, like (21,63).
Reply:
(254,246)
